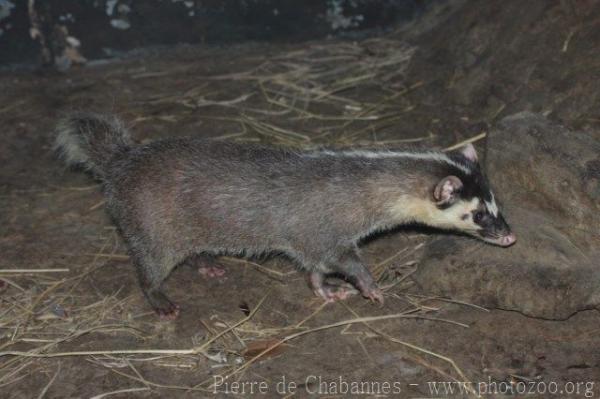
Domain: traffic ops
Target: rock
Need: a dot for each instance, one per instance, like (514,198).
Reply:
(548,180)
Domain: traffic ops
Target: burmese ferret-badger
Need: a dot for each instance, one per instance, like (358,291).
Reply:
(176,198)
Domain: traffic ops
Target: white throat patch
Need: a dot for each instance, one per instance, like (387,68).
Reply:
(408,209)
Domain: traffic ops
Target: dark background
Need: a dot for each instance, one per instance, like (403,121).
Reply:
(105,28)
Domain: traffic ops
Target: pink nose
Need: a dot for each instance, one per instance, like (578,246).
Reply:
(508,240)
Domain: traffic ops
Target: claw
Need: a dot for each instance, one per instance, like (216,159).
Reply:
(375,295)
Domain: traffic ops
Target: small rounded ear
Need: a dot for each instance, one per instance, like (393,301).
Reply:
(469,152)
(447,188)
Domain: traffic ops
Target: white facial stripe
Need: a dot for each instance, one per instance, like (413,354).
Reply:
(432,156)
(492,207)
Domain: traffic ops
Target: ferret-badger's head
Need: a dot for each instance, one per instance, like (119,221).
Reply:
(464,201)
(457,197)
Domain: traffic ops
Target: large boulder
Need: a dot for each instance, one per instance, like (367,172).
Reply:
(547,179)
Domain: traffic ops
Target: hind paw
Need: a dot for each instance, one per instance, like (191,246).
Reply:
(164,308)
(211,271)
(332,293)
(170,312)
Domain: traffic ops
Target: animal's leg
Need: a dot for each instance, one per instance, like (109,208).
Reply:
(329,292)
(206,265)
(151,276)
(349,264)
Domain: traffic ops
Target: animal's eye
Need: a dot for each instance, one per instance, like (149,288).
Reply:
(478,217)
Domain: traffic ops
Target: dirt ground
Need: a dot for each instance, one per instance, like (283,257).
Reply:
(442,80)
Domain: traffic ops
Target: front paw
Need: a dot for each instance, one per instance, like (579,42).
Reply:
(374,294)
